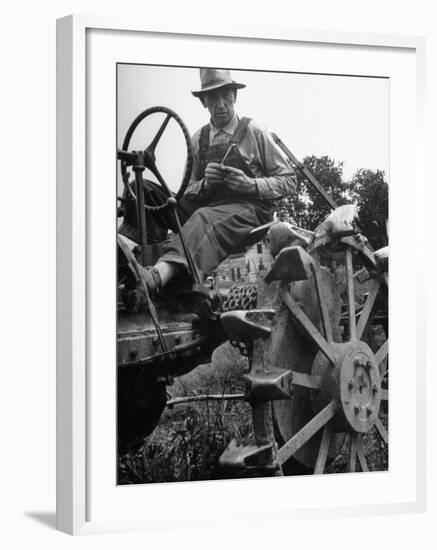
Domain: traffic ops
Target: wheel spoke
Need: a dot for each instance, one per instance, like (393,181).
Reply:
(353,453)
(367,309)
(350,294)
(382,353)
(302,319)
(306,380)
(151,148)
(326,321)
(304,434)
(323,450)
(381,430)
(360,455)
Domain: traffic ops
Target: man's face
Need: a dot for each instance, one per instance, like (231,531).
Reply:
(220,104)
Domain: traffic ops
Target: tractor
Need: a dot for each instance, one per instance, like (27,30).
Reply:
(318,372)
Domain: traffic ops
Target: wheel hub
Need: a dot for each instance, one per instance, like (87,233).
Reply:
(354,382)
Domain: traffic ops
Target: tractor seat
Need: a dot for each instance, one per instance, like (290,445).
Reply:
(257,234)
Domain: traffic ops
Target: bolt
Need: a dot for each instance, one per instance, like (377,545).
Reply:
(369,411)
(351,384)
(357,409)
(374,388)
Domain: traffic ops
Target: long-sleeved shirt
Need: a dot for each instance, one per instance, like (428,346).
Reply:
(274,177)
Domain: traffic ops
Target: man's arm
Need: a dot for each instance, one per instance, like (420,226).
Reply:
(279,178)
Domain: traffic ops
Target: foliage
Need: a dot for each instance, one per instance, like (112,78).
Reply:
(187,443)
(367,189)
(307,208)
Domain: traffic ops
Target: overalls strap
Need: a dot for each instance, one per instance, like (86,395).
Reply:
(240,130)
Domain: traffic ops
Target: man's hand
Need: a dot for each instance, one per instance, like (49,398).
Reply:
(237,181)
(214,177)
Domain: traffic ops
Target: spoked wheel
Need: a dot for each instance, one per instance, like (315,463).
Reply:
(338,380)
(148,156)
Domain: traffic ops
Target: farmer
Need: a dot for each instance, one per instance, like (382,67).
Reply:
(237,172)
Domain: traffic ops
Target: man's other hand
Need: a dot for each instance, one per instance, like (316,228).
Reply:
(238,182)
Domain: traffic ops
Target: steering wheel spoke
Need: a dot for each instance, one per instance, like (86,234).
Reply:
(154,169)
(151,148)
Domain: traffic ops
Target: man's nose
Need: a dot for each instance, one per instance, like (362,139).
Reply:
(220,102)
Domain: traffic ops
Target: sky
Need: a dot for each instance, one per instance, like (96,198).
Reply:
(344,117)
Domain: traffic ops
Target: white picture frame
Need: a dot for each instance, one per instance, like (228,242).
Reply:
(74,343)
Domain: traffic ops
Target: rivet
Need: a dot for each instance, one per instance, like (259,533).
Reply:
(351,384)
(369,411)
(357,409)
(375,388)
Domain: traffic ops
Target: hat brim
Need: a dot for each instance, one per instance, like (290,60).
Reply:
(235,85)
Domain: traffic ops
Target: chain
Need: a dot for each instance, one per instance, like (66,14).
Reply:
(241,297)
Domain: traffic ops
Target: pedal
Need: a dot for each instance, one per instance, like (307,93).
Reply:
(291,264)
(248,457)
(269,386)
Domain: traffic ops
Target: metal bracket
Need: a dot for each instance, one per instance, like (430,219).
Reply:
(269,386)
(292,264)
(248,457)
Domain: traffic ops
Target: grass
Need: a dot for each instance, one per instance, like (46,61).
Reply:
(189,439)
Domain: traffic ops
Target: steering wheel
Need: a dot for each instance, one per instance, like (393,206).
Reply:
(148,159)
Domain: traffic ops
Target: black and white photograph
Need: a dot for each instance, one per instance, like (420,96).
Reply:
(196,274)
(252,273)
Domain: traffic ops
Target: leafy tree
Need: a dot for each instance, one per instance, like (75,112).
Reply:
(307,208)
(369,191)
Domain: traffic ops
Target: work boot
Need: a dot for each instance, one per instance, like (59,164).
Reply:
(150,277)
(146,277)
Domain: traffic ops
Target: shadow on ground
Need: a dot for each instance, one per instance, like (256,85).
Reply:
(46,518)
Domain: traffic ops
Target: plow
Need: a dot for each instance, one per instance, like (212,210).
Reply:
(314,329)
